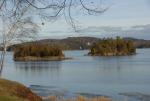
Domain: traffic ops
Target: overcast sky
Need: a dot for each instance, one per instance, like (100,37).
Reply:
(122,13)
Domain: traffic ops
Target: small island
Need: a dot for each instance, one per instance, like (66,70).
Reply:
(37,52)
(112,47)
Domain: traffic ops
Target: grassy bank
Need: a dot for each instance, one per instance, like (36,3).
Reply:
(78,98)
(13,91)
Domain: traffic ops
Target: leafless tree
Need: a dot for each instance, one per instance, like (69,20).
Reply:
(16,28)
(18,25)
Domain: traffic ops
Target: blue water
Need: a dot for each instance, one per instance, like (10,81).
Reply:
(86,74)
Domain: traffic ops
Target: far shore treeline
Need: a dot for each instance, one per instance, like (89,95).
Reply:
(113,47)
(80,43)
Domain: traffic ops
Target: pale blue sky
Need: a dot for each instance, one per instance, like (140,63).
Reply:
(122,13)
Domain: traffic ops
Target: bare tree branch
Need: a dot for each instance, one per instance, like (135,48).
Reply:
(1,5)
(93,10)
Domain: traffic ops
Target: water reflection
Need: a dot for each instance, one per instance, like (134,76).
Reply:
(39,68)
(118,63)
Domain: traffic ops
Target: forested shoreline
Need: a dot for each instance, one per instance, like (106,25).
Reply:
(80,43)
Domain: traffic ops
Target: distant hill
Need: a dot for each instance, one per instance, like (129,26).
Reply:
(139,43)
(81,43)
(70,43)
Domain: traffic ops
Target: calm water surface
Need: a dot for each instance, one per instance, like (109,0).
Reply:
(97,75)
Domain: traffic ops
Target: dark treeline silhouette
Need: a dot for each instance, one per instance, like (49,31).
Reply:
(113,47)
(37,50)
(77,43)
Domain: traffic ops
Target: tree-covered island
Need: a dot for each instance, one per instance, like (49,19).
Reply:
(37,52)
(112,47)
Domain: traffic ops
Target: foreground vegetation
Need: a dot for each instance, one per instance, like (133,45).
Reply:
(34,51)
(13,91)
(78,98)
(113,47)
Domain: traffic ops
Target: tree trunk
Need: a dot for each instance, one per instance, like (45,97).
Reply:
(2,59)
(4,47)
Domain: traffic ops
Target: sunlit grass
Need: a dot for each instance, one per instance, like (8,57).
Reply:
(78,98)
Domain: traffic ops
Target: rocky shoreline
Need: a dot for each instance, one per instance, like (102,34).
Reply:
(32,58)
(112,54)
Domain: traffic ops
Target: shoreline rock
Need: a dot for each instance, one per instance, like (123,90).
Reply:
(32,58)
(112,54)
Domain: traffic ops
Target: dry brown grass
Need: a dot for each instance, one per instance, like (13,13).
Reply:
(79,98)
(13,91)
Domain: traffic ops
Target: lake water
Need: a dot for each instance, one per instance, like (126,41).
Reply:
(86,74)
